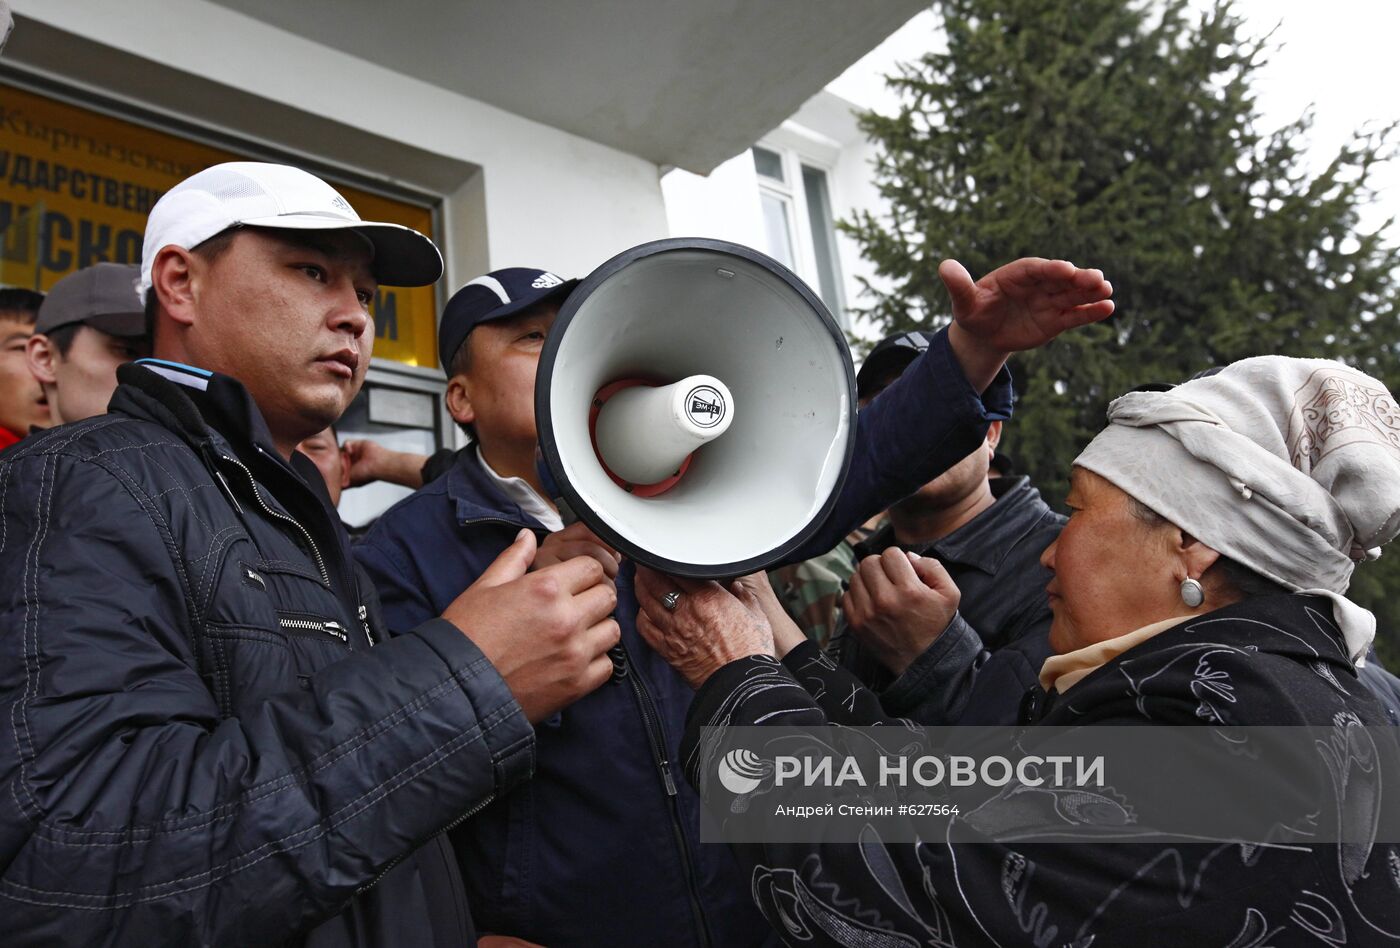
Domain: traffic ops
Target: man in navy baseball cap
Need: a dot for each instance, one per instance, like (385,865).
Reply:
(497,295)
(490,339)
(596,763)
(490,382)
(491,336)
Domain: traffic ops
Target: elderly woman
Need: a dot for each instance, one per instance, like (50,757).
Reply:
(1200,580)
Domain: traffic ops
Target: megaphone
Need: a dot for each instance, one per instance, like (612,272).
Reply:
(695,403)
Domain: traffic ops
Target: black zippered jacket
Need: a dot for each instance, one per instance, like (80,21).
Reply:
(199,744)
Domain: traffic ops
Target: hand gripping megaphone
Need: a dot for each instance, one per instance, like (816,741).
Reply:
(695,404)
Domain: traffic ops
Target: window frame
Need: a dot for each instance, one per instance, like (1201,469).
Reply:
(799,149)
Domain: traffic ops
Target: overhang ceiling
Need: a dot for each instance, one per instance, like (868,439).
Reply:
(685,84)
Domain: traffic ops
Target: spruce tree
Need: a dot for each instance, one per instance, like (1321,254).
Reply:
(1125,136)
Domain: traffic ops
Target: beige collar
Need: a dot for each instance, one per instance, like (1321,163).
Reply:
(1062,672)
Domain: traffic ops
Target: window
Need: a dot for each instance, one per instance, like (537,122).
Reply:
(769,164)
(775,199)
(823,230)
(798,224)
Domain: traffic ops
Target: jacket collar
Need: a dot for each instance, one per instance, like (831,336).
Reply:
(211,412)
(476,497)
(223,404)
(985,541)
(197,404)
(1292,626)
(217,417)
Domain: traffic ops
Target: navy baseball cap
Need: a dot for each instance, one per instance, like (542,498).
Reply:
(496,295)
(892,352)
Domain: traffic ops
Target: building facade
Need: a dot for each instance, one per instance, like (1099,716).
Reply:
(515,134)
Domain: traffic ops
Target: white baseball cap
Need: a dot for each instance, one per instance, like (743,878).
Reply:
(258,194)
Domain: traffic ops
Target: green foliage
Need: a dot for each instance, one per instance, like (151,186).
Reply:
(1123,135)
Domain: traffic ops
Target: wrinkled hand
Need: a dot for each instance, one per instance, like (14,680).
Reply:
(370,461)
(711,626)
(1019,306)
(504,941)
(577,540)
(897,604)
(547,632)
(786,633)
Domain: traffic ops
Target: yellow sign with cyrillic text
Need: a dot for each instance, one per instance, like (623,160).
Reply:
(76,186)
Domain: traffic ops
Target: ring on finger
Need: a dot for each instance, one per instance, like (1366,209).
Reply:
(670,601)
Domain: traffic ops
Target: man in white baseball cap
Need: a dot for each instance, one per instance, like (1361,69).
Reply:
(221,742)
(257,194)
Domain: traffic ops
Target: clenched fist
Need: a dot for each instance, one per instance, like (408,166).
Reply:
(577,540)
(897,604)
(547,632)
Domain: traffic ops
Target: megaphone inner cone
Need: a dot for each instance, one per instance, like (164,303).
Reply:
(645,432)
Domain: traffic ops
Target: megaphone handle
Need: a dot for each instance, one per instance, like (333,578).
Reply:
(551,488)
(566,513)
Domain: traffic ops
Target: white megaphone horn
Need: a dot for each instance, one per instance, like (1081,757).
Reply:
(695,403)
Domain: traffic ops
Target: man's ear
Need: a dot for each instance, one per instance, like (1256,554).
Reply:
(993,436)
(174,279)
(344,467)
(459,400)
(40,353)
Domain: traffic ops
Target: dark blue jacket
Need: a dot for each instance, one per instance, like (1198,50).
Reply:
(602,847)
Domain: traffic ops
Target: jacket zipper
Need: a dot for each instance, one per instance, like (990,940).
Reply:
(652,723)
(510,523)
(364,621)
(446,829)
(257,495)
(329,627)
(334,628)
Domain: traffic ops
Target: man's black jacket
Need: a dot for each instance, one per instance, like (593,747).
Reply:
(978,668)
(200,745)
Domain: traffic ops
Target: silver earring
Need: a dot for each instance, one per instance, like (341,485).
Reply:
(1192,593)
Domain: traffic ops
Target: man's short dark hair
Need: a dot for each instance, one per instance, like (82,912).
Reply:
(19,304)
(62,337)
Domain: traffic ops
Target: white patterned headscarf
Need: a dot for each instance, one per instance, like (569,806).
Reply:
(1290,467)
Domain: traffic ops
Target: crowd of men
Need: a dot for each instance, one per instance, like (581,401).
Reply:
(230,724)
